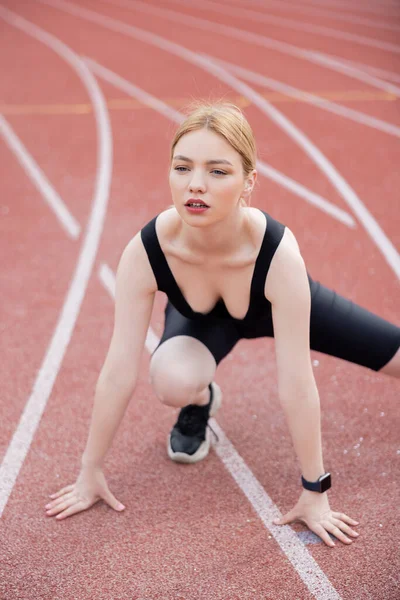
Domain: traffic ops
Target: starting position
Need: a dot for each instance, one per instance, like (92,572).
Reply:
(230,271)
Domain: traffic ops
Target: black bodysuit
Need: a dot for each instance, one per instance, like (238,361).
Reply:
(337,326)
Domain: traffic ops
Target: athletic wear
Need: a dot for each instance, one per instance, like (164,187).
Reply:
(188,441)
(338,326)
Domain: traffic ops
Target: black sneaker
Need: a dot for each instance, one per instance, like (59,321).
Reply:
(189,440)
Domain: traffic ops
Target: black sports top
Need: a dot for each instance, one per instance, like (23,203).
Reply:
(259,306)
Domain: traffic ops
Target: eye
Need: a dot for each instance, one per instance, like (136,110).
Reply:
(181,169)
(219,172)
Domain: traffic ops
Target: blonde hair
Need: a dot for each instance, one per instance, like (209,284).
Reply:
(225,119)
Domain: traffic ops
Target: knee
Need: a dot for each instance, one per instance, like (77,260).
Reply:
(173,388)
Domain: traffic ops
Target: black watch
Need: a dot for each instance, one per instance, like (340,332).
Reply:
(321,485)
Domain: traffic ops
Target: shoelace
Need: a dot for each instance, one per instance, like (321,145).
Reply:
(192,419)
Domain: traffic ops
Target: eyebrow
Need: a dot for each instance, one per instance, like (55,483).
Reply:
(218,161)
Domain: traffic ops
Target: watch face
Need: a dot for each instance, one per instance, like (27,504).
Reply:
(325,482)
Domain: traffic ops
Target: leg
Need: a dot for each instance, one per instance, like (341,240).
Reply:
(185,361)
(181,370)
(343,329)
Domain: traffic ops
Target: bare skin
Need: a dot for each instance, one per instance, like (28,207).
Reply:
(212,256)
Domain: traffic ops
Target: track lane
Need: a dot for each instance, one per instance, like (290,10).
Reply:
(205,573)
(167,514)
(20,443)
(390,251)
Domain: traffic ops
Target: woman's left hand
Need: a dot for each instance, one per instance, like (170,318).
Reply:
(313,509)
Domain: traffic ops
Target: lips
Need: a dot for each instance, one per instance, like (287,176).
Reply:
(194,201)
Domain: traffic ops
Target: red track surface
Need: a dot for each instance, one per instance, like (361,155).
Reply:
(188,532)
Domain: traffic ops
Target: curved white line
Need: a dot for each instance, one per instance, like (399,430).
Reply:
(247,36)
(315,12)
(252,15)
(349,196)
(30,418)
(349,7)
(64,216)
(370,224)
(382,73)
(219,29)
(265,170)
(288,90)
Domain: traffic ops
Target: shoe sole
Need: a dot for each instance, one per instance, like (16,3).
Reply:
(204,448)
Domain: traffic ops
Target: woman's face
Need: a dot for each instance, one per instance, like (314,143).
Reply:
(206,168)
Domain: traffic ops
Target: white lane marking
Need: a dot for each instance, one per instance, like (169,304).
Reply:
(219,29)
(55,202)
(249,37)
(372,227)
(263,168)
(348,69)
(370,224)
(30,418)
(315,12)
(351,7)
(252,15)
(307,568)
(382,73)
(288,90)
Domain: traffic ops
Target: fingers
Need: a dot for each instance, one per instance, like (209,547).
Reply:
(344,527)
(344,518)
(59,500)
(69,488)
(73,509)
(329,526)
(61,504)
(323,534)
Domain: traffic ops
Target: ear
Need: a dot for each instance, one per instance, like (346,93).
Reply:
(249,184)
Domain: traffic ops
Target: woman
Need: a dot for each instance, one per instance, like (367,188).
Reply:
(230,271)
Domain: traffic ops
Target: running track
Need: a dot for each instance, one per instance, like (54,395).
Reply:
(90,96)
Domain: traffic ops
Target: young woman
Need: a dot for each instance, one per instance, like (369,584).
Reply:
(229,271)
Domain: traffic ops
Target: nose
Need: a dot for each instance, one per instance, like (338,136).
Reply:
(197,183)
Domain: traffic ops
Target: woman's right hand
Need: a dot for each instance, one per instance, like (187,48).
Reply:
(90,487)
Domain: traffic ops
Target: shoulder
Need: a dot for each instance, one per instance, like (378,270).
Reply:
(134,268)
(287,275)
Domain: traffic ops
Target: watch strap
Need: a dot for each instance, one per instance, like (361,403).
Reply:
(322,484)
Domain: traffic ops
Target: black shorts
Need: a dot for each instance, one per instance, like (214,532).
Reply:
(337,327)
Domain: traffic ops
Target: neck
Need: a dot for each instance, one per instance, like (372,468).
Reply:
(217,239)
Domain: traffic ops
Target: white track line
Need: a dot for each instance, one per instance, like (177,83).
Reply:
(219,29)
(322,103)
(253,38)
(265,170)
(382,73)
(378,236)
(30,419)
(305,565)
(67,221)
(315,12)
(252,15)
(350,7)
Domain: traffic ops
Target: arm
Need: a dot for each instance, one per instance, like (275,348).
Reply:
(289,294)
(135,291)
(288,290)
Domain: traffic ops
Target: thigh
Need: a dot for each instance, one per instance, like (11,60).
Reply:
(341,328)
(218,336)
